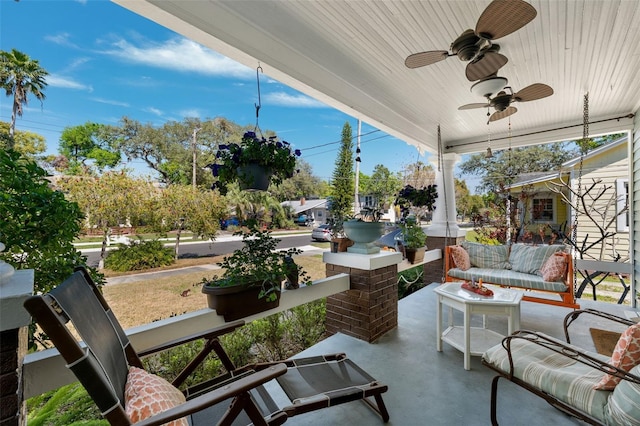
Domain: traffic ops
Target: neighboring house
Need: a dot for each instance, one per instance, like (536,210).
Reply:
(609,166)
(369,201)
(315,210)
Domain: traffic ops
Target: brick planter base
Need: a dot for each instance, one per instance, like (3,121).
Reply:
(370,308)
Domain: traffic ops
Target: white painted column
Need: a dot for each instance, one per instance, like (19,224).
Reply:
(444,214)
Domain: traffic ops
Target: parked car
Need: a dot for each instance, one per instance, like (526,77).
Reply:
(230,221)
(321,233)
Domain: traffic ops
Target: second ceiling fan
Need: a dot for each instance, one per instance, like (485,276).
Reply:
(500,18)
(501,102)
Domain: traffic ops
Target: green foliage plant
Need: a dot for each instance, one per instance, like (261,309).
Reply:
(413,236)
(277,156)
(257,263)
(342,183)
(38,224)
(139,255)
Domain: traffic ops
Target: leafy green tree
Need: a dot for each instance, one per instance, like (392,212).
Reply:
(110,200)
(343,186)
(28,144)
(466,203)
(20,76)
(181,207)
(383,185)
(302,184)
(169,149)
(88,141)
(505,165)
(38,224)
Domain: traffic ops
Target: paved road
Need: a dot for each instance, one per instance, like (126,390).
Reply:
(223,245)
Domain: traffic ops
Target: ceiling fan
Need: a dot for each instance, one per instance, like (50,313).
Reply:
(501,102)
(500,18)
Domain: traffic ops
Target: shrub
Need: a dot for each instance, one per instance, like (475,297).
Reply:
(139,255)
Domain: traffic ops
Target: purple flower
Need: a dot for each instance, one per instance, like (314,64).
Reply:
(221,147)
(279,144)
(215,169)
(297,152)
(250,135)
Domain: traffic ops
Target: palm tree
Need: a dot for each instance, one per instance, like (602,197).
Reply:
(20,76)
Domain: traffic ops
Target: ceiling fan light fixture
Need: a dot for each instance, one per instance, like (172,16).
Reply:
(487,87)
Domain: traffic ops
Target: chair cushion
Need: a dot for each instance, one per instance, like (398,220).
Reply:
(486,256)
(146,394)
(460,257)
(566,379)
(529,259)
(624,403)
(555,268)
(626,355)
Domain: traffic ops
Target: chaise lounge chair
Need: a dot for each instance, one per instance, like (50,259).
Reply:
(108,363)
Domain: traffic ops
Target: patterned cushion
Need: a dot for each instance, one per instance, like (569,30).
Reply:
(555,268)
(626,355)
(146,394)
(624,403)
(460,257)
(529,259)
(565,378)
(486,256)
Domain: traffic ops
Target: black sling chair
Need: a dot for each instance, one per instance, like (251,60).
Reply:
(236,397)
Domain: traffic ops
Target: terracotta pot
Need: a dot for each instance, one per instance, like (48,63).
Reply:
(340,244)
(415,255)
(238,301)
(254,177)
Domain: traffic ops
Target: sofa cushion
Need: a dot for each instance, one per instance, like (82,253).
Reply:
(508,278)
(555,268)
(529,259)
(460,257)
(624,402)
(486,256)
(625,356)
(567,379)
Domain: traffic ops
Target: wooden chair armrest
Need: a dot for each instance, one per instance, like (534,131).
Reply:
(572,316)
(564,350)
(238,387)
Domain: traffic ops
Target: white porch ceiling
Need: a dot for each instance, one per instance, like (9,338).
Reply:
(350,55)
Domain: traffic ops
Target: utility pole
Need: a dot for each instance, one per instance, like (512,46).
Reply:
(193,148)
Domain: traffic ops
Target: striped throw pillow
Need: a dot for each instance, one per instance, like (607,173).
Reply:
(624,403)
(529,259)
(486,256)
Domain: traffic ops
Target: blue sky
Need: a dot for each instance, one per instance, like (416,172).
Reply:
(106,62)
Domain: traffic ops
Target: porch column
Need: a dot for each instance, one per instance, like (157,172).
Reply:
(14,322)
(369,309)
(445,213)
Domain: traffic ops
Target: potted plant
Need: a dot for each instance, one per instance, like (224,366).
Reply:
(364,230)
(253,276)
(413,241)
(254,162)
(339,241)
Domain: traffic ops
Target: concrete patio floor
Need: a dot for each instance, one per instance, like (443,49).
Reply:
(427,387)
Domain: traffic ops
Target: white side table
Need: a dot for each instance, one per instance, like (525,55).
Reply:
(474,340)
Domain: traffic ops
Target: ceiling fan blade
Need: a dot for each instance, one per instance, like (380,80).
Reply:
(502,17)
(425,58)
(498,115)
(473,106)
(486,66)
(533,92)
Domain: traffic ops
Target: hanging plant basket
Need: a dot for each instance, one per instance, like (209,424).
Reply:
(254,177)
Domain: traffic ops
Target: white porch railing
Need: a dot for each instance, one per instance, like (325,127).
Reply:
(45,370)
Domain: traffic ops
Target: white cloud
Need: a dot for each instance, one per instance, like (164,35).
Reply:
(190,113)
(111,102)
(297,101)
(62,39)
(179,54)
(55,80)
(155,111)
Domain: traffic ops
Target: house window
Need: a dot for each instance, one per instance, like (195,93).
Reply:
(368,201)
(542,210)
(622,202)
